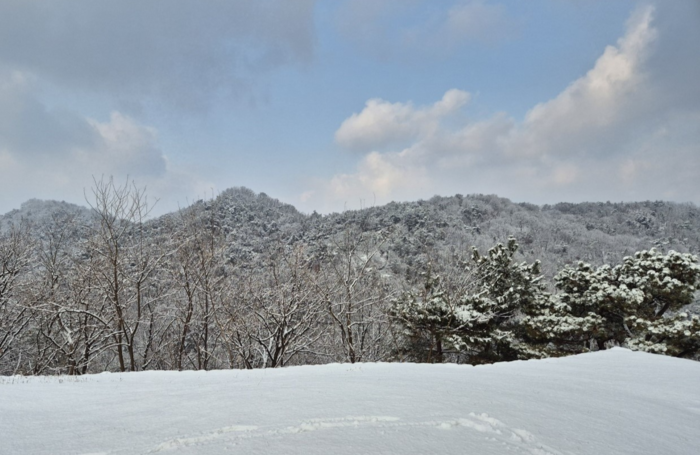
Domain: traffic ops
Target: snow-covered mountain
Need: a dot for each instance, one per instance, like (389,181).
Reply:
(245,281)
(556,235)
(40,213)
(613,402)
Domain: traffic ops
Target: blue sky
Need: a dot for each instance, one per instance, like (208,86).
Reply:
(343,104)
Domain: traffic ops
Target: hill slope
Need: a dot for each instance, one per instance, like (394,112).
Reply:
(209,287)
(554,234)
(611,402)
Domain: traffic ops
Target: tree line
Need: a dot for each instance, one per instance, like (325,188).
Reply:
(118,293)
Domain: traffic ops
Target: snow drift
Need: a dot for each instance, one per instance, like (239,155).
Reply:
(611,402)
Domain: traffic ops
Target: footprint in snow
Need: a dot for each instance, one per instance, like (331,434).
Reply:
(515,439)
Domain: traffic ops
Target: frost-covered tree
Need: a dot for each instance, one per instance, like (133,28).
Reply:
(484,323)
(15,250)
(638,304)
(69,325)
(275,317)
(350,284)
(505,292)
(197,271)
(428,320)
(126,264)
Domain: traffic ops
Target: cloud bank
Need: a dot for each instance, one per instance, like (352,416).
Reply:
(54,154)
(626,130)
(61,59)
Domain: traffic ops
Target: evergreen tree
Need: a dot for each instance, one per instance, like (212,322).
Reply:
(505,291)
(483,324)
(637,304)
(428,320)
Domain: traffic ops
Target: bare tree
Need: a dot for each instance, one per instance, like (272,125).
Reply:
(68,315)
(15,250)
(197,269)
(127,263)
(278,315)
(354,292)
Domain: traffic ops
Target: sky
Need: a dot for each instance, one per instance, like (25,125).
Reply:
(344,104)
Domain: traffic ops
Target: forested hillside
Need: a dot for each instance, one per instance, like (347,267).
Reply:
(245,281)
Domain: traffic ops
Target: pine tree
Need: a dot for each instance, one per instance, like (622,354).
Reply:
(427,318)
(637,304)
(504,293)
(484,323)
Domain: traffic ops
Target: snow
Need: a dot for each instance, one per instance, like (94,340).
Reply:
(609,402)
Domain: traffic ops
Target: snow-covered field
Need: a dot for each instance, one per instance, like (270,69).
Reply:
(612,402)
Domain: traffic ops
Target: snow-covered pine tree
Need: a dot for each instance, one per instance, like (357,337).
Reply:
(483,324)
(566,322)
(427,318)
(505,291)
(637,304)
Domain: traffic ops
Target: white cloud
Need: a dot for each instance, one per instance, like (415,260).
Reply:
(59,58)
(382,124)
(379,176)
(610,135)
(55,154)
(125,147)
(604,101)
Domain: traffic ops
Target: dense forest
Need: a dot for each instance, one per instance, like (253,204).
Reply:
(244,281)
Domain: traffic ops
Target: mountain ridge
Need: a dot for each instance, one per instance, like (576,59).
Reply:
(596,232)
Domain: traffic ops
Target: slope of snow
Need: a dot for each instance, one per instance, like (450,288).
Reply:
(611,402)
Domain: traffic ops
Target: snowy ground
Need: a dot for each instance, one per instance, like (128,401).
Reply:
(613,402)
